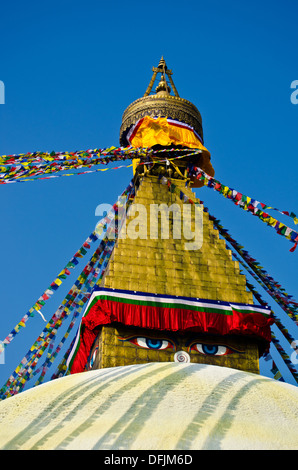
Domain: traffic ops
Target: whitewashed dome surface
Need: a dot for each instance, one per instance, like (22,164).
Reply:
(166,406)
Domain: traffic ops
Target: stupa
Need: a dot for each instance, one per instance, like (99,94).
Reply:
(172,290)
(167,353)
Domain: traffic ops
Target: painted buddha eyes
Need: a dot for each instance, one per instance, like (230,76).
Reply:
(152,343)
(211,349)
(159,344)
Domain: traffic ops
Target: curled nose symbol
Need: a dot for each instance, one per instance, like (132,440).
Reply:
(181,356)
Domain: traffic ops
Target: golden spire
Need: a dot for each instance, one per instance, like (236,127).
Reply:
(161,103)
(162,86)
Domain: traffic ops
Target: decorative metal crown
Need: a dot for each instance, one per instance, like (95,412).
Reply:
(161,104)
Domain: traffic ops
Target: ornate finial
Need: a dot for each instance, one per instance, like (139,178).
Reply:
(162,86)
(162,64)
(161,102)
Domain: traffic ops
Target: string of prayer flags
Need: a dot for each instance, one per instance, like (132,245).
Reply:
(249,204)
(279,298)
(173,188)
(285,357)
(276,372)
(272,287)
(91,156)
(42,171)
(77,306)
(43,367)
(75,300)
(62,368)
(23,178)
(56,283)
(284,331)
(23,372)
(88,286)
(239,198)
(39,304)
(38,349)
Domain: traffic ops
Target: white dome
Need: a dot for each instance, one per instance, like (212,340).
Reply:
(166,406)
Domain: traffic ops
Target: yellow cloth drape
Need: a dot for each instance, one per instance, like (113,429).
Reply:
(149,132)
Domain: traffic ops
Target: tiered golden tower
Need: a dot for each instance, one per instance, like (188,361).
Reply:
(160,260)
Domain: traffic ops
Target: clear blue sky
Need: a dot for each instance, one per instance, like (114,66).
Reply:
(71,68)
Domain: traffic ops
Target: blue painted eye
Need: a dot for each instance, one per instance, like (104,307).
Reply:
(149,343)
(154,343)
(211,349)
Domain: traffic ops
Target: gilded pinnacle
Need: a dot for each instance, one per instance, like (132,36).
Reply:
(161,101)
(162,64)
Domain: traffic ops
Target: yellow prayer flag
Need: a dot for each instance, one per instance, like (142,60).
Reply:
(225,190)
(271,221)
